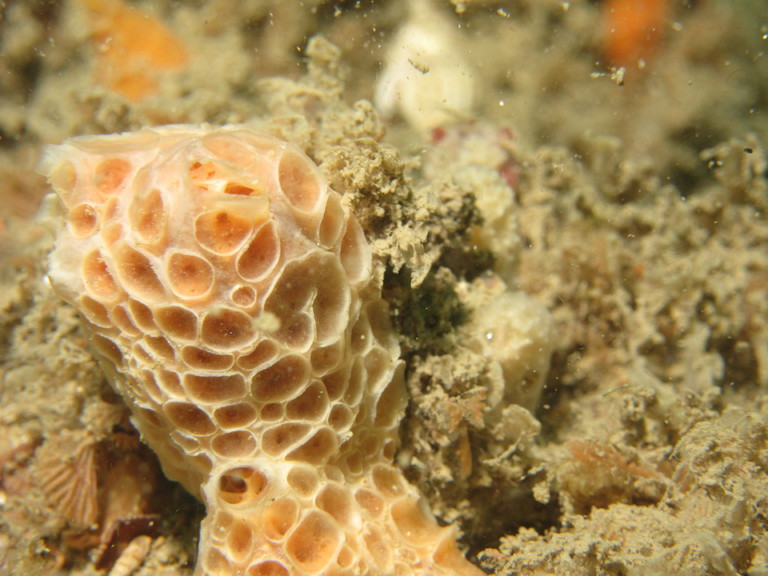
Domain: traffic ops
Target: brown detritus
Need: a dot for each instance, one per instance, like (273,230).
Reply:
(118,536)
(15,460)
(464,453)
(48,554)
(598,475)
(708,521)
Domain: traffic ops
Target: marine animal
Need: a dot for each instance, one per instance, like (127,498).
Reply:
(228,293)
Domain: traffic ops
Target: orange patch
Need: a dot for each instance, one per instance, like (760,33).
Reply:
(633,29)
(133,48)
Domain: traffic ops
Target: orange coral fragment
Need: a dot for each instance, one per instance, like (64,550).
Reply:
(633,29)
(133,48)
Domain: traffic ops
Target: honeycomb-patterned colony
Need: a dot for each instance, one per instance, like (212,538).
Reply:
(226,288)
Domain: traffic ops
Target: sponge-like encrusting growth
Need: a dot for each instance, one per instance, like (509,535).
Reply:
(227,290)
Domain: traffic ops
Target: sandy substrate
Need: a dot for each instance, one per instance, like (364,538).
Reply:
(577,263)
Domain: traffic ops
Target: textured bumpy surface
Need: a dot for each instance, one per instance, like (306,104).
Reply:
(227,291)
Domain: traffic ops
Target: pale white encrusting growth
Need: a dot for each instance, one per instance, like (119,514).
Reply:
(515,331)
(228,293)
(426,78)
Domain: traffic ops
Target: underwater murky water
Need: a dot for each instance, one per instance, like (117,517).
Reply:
(565,204)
